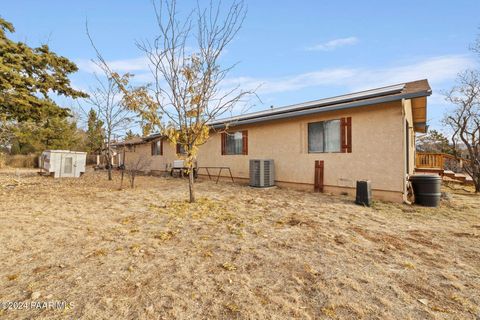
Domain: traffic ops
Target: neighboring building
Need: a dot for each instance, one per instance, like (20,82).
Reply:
(369,135)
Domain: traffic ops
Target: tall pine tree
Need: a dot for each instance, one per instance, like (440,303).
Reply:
(28,75)
(30,120)
(95,132)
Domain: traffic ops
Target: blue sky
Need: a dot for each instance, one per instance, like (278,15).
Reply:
(297,50)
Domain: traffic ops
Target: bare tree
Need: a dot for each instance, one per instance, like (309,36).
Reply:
(188,89)
(187,92)
(464,122)
(134,166)
(106,99)
(188,76)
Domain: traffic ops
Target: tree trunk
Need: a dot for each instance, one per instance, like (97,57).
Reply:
(109,165)
(477,183)
(122,167)
(190,184)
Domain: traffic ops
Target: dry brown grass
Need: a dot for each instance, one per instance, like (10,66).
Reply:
(18,161)
(238,253)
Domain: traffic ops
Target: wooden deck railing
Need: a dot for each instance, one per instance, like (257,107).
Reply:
(429,160)
(438,161)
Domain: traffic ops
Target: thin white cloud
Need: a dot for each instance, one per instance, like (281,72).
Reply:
(436,69)
(139,67)
(293,83)
(139,64)
(334,44)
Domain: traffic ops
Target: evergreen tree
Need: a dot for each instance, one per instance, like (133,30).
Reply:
(55,133)
(30,120)
(27,76)
(435,142)
(95,132)
(129,135)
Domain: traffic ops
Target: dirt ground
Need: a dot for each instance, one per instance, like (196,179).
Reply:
(239,252)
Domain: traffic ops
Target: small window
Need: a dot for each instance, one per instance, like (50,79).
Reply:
(157,148)
(234,143)
(181,149)
(324,136)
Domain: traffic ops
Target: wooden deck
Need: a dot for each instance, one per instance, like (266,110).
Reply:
(436,163)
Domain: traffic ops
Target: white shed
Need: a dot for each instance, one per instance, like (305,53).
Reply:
(63,163)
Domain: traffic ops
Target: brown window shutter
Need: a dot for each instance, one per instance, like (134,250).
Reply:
(161,147)
(319,168)
(245,141)
(349,134)
(178,148)
(223,142)
(343,135)
(152,145)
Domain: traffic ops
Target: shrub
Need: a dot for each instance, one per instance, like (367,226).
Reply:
(21,161)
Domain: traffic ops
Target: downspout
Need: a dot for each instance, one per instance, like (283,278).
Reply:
(406,146)
(404,152)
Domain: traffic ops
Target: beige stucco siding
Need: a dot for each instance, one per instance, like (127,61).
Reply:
(376,149)
(156,162)
(378,154)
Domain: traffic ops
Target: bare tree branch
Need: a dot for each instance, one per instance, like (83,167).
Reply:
(464,121)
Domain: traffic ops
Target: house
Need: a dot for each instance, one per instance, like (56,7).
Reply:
(368,135)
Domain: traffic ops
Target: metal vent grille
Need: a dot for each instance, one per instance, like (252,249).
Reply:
(262,173)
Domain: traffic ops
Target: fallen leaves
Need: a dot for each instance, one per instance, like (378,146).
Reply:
(232,307)
(165,235)
(97,253)
(229,266)
(12,277)
(307,255)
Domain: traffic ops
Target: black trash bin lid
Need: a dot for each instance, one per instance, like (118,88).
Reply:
(425,177)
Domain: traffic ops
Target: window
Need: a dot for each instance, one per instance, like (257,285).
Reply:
(157,148)
(181,149)
(234,143)
(324,136)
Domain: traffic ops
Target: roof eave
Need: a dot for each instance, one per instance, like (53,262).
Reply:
(316,110)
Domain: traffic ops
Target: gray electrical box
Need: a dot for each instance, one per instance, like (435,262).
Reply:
(364,193)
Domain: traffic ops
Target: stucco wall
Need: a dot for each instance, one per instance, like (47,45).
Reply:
(378,150)
(156,162)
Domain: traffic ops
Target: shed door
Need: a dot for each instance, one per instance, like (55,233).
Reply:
(68,166)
